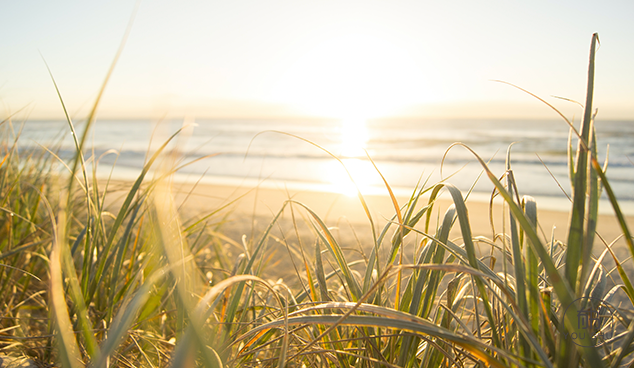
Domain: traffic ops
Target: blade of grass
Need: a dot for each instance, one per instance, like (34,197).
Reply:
(430,294)
(67,344)
(518,262)
(577,242)
(532,270)
(474,346)
(99,274)
(93,112)
(465,228)
(561,286)
(336,251)
(398,237)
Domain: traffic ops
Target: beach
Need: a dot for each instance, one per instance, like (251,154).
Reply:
(246,162)
(288,218)
(253,152)
(247,211)
(333,208)
(317,184)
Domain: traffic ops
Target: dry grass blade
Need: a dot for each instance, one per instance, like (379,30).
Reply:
(336,251)
(68,348)
(472,345)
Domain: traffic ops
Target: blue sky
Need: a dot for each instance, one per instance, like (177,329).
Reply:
(344,58)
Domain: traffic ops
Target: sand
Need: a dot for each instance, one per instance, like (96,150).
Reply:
(246,211)
(334,208)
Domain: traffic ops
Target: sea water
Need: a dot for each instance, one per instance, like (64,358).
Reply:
(310,154)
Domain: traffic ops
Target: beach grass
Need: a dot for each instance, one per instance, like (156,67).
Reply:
(93,277)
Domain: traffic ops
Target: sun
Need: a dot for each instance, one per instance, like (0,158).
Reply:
(352,74)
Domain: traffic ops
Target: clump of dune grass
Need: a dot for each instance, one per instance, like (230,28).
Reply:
(88,283)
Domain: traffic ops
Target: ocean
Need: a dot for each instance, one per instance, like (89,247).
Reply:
(407,152)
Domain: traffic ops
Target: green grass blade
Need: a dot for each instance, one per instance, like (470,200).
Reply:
(560,285)
(615,205)
(430,293)
(321,277)
(203,311)
(123,213)
(119,253)
(592,213)
(465,228)
(249,266)
(93,112)
(126,317)
(518,262)
(68,348)
(336,251)
(532,267)
(183,269)
(577,244)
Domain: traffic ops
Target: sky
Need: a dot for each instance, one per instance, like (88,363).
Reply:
(288,58)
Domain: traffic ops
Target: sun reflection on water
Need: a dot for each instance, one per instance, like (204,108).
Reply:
(361,171)
(354,136)
(354,139)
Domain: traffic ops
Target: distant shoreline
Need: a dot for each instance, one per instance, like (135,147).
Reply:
(549,203)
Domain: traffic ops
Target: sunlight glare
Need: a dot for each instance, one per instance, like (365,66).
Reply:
(362,172)
(353,71)
(354,136)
